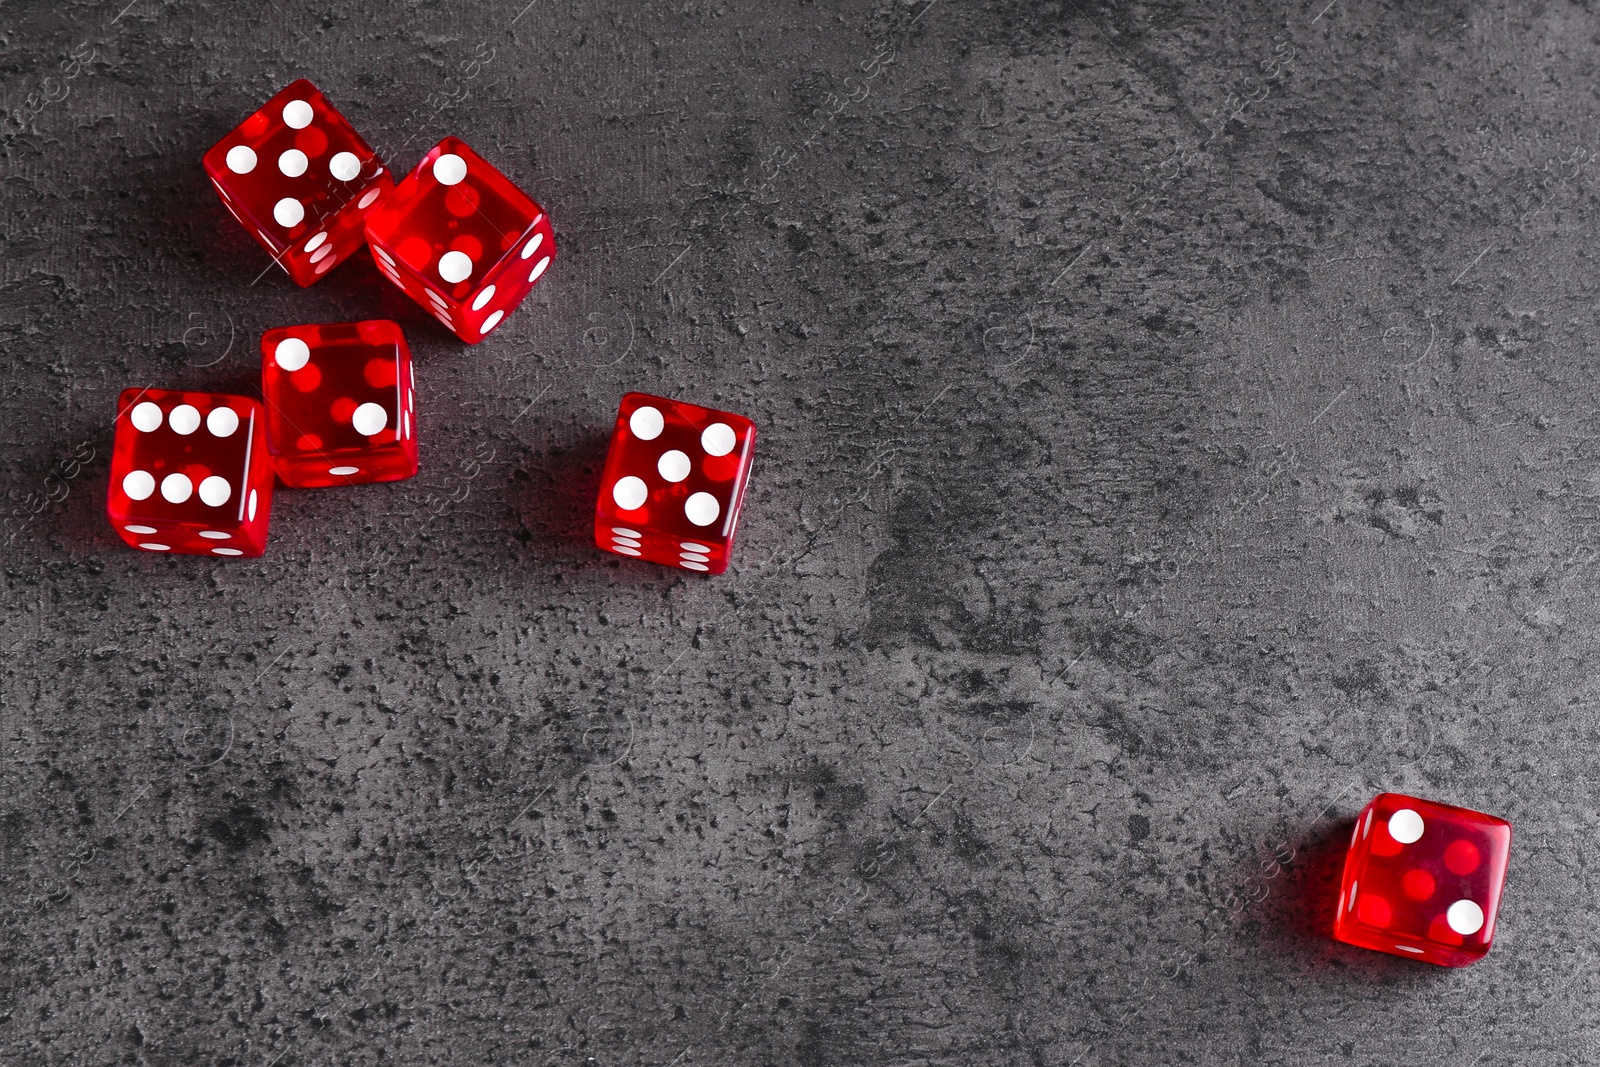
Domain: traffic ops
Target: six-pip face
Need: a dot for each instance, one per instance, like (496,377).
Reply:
(190,473)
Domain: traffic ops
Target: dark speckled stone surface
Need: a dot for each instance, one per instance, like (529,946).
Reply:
(1178,423)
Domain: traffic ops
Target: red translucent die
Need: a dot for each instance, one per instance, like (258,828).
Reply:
(190,473)
(301,180)
(341,403)
(461,240)
(673,483)
(1423,880)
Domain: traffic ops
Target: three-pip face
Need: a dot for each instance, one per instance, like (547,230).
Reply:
(340,402)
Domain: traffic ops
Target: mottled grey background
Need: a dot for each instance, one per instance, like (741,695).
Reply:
(1177,424)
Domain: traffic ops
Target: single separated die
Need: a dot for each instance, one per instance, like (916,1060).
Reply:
(190,473)
(1423,880)
(674,481)
(461,240)
(341,403)
(301,180)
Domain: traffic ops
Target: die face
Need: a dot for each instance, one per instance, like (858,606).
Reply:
(1423,880)
(190,473)
(301,180)
(340,403)
(461,239)
(674,483)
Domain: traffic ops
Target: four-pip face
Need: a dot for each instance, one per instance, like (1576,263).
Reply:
(1423,880)
(190,473)
(341,403)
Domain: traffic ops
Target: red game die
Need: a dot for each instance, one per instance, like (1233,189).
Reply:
(461,240)
(1423,880)
(300,179)
(674,480)
(190,473)
(341,403)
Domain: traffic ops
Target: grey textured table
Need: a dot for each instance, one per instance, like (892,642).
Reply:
(1177,424)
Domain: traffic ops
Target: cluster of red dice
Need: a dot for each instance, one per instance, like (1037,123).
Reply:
(192,472)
